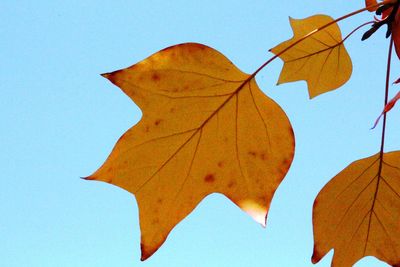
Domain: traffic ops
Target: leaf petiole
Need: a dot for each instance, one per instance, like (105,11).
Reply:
(387,82)
(356,29)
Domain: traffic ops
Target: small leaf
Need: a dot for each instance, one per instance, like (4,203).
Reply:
(358,212)
(206,128)
(387,108)
(321,59)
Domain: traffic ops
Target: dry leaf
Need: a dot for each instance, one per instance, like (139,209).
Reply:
(206,128)
(387,108)
(358,212)
(321,59)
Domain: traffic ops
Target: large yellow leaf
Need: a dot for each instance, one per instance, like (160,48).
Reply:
(320,59)
(358,212)
(206,128)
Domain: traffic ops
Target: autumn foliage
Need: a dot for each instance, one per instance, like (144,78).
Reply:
(207,127)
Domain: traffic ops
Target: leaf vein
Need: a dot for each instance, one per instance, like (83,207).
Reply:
(259,114)
(353,202)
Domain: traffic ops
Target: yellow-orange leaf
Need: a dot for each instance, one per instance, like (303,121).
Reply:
(206,128)
(358,212)
(320,59)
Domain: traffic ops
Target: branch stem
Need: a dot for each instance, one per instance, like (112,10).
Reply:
(356,29)
(387,83)
(379,175)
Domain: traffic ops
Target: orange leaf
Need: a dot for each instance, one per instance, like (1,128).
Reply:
(358,212)
(206,128)
(321,59)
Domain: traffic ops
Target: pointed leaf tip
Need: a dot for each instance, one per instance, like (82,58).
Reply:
(88,178)
(106,75)
(144,255)
(315,259)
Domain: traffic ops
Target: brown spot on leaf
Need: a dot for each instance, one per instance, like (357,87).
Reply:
(155,221)
(172,110)
(159,200)
(209,178)
(155,77)
(147,129)
(263,156)
(231,184)
(220,164)
(252,153)
(157,122)
(287,161)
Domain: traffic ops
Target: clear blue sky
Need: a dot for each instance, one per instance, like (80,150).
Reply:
(60,120)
